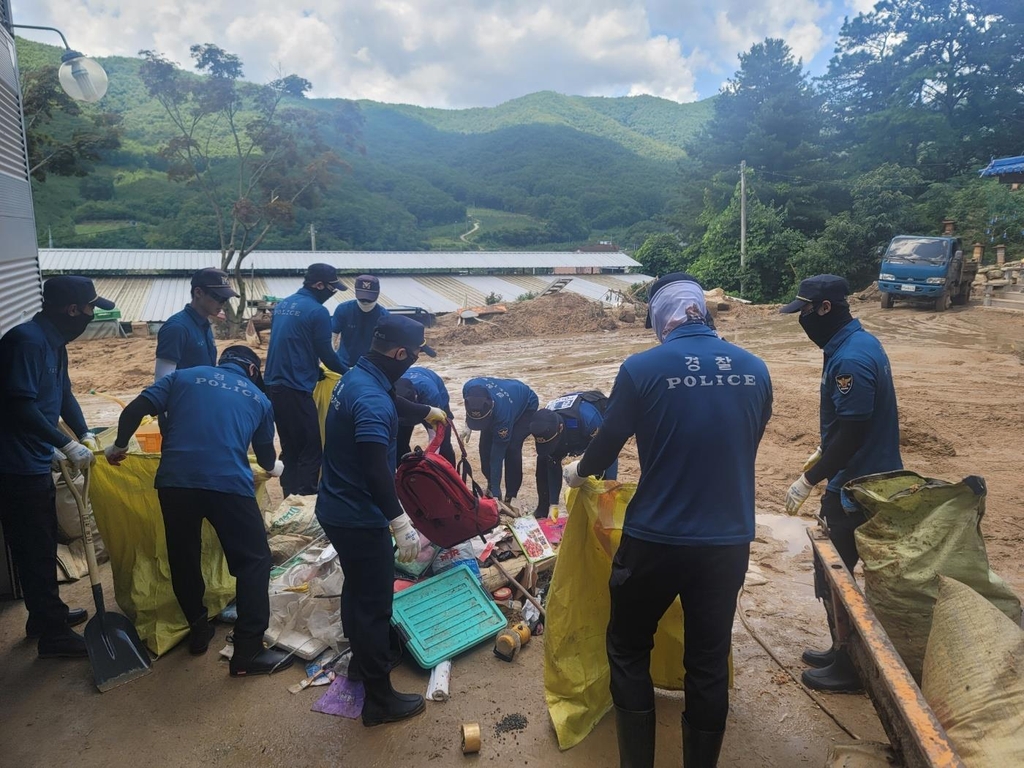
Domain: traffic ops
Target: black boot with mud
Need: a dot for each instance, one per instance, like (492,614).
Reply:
(635,731)
(200,634)
(701,748)
(62,644)
(383,704)
(838,677)
(34,627)
(254,659)
(818,659)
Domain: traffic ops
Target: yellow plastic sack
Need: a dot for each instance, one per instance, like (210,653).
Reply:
(127,513)
(322,396)
(576,674)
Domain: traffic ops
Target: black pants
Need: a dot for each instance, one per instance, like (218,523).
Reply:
(513,455)
(446,450)
(646,578)
(28,509)
(298,426)
(239,526)
(841,526)
(368,560)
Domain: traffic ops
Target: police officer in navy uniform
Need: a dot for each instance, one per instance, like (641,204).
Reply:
(354,321)
(501,409)
(859,433)
(423,386)
(300,339)
(213,415)
(698,407)
(185,340)
(357,503)
(36,392)
(565,427)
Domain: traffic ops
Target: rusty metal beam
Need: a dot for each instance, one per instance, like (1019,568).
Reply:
(909,722)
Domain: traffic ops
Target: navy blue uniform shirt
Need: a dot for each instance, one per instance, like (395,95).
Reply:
(213,415)
(356,329)
(34,365)
(186,339)
(512,398)
(856,385)
(576,434)
(698,406)
(430,388)
(300,337)
(362,410)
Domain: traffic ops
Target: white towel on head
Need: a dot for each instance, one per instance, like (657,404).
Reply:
(676,304)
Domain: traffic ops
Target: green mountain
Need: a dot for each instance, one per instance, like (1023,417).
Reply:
(570,168)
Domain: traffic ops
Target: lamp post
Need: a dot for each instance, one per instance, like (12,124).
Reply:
(82,78)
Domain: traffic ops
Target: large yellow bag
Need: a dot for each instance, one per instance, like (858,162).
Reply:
(322,396)
(576,675)
(127,513)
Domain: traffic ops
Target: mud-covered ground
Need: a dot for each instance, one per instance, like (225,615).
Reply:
(958,377)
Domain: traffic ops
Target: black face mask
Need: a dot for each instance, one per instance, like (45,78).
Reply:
(821,328)
(322,294)
(70,328)
(392,368)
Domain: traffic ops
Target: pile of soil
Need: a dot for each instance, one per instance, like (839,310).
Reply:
(557,315)
(112,365)
(871,293)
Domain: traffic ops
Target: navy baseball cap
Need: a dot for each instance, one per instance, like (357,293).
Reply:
(65,290)
(402,331)
(547,430)
(367,288)
(323,273)
(479,407)
(661,282)
(817,289)
(214,282)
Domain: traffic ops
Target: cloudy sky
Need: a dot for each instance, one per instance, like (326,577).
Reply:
(460,53)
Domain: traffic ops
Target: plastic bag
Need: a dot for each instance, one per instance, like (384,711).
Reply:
(322,396)
(919,528)
(576,674)
(974,677)
(127,511)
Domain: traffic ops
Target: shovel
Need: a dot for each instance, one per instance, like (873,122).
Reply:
(116,652)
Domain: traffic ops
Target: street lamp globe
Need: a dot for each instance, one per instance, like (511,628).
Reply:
(82,78)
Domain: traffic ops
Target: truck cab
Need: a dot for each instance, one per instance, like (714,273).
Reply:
(928,270)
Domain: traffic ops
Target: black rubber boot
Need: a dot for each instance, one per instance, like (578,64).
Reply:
(62,644)
(200,634)
(636,738)
(383,704)
(818,659)
(34,628)
(254,659)
(700,748)
(838,677)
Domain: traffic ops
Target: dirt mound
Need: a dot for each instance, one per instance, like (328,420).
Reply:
(915,439)
(557,315)
(871,293)
(112,365)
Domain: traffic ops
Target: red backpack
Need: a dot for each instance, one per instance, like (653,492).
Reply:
(438,501)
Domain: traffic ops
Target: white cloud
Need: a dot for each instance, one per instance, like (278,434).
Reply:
(449,53)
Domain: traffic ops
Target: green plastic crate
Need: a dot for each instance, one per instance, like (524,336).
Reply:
(445,615)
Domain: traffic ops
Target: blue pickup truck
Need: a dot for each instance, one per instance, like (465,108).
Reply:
(928,270)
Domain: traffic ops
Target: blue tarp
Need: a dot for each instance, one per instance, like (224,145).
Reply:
(1004,165)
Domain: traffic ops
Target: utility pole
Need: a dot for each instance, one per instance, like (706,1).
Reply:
(49,236)
(312,236)
(743,225)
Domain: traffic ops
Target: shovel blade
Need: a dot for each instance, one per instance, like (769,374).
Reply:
(116,652)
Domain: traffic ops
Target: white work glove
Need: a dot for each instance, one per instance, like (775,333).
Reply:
(464,434)
(406,537)
(797,495)
(812,459)
(89,441)
(436,416)
(115,454)
(335,341)
(78,455)
(58,457)
(572,476)
(277,470)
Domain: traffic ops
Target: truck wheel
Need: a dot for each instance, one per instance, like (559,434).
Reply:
(887,301)
(963,297)
(942,303)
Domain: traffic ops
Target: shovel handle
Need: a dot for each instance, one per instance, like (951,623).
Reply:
(80,497)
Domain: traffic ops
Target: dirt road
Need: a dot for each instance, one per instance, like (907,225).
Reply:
(958,377)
